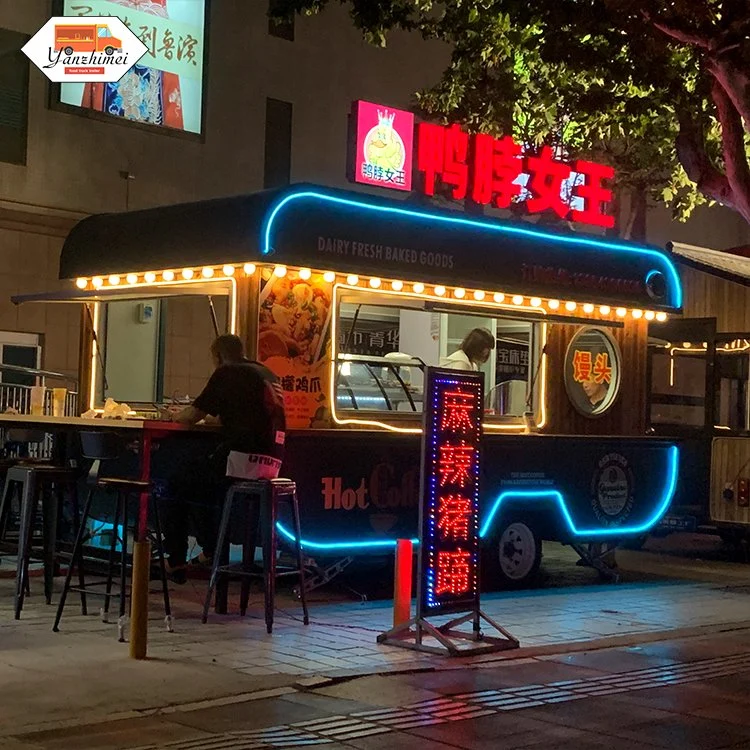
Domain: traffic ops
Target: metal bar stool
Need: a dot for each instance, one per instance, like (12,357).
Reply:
(42,483)
(101,447)
(269,493)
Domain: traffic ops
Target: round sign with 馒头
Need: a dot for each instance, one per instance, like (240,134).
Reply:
(592,371)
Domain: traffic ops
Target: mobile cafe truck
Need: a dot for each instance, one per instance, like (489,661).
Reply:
(347,297)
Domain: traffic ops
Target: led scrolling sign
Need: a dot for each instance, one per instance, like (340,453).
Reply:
(449,578)
(477,167)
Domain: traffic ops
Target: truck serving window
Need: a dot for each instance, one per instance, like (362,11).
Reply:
(382,350)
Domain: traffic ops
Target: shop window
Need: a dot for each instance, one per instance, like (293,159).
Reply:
(14,97)
(732,380)
(277,162)
(384,349)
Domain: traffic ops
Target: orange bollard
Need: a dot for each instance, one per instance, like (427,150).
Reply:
(402,582)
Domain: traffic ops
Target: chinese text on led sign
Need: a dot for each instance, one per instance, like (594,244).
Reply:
(450,523)
(491,170)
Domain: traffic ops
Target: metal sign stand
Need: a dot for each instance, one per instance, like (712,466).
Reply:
(449,524)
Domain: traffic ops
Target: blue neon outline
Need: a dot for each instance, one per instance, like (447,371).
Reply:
(671,484)
(555,495)
(474,224)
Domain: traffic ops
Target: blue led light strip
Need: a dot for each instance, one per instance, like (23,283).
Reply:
(513,229)
(673,462)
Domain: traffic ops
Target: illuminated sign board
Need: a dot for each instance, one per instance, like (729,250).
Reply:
(384,146)
(478,167)
(449,528)
(165,88)
(592,371)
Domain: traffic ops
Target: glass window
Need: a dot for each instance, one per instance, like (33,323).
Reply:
(592,371)
(384,349)
(678,383)
(732,394)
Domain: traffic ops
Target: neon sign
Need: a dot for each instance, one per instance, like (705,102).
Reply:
(384,146)
(449,537)
(496,171)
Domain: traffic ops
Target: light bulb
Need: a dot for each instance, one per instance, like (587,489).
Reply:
(637,314)
(588,308)
(228,270)
(187,274)
(686,345)
(661,316)
(535,302)
(649,315)
(439,290)
(329,277)
(249,268)
(114,279)
(553,304)
(397,286)
(279,271)
(479,295)
(207,272)
(498,297)
(168,275)
(419,288)
(352,279)
(459,293)
(132,278)
(304,273)
(517,299)
(621,312)
(81,283)
(97,282)
(570,306)
(375,283)
(605,310)
(149,277)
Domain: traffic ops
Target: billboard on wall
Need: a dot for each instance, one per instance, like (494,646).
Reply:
(165,88)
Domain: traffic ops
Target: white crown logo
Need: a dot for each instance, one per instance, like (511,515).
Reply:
(385,118)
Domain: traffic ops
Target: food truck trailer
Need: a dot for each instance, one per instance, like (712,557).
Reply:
(348,297)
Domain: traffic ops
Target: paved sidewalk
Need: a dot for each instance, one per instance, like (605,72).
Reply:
(82,674)
(690,694)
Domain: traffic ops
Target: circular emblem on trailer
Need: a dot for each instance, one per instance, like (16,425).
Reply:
(592,371)
(612,489)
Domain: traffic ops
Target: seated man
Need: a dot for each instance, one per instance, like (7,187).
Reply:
(246,400)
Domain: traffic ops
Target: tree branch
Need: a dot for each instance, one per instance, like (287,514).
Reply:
(691,152)
(733,147)
(679,35)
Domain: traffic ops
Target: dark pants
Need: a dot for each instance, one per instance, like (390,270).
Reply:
(193,506)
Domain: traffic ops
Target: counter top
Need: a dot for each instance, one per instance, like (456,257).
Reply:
(50,422)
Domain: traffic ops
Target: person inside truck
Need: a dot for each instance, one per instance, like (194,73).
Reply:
(474,351)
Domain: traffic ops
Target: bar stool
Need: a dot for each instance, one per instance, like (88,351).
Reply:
(269,493)
(100,447)
(40,483)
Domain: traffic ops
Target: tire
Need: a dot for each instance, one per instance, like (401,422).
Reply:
(109,51)
(68,51)
(513,555)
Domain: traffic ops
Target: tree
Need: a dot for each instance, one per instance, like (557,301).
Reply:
(659,90)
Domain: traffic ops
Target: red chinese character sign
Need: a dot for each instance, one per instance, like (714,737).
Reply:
(384,146)
(449,578)
(592,371)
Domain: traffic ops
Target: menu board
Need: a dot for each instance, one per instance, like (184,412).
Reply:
(294,343)
(449,497)
(166,87)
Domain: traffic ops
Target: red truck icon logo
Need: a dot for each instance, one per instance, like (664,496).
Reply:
(86,38)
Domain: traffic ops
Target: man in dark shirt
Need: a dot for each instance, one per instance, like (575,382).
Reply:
(246,400)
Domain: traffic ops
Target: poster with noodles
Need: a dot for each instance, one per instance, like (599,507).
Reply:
(166,87)
(294,342)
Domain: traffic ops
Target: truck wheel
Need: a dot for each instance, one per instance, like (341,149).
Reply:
(513,556)
(68,51)
(109,51)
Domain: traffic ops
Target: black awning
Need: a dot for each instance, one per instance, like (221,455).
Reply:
(223,230)
(358,233)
